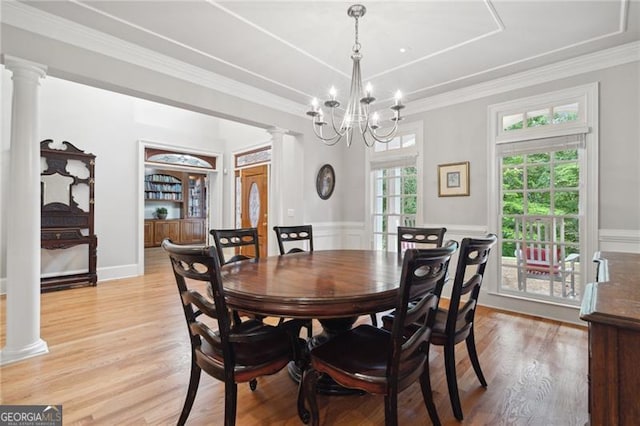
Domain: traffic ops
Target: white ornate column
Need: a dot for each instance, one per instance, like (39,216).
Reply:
(276,180)
(23,218)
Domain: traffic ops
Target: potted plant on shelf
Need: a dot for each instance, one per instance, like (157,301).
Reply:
(161,213)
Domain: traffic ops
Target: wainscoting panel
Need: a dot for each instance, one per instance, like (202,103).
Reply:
(624,240)
(338,235)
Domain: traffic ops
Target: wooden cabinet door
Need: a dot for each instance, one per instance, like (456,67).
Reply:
(192,231)
(148,233)
(166,229)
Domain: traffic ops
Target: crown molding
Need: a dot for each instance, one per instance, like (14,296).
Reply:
(607,58)
(25,17)
(28,18)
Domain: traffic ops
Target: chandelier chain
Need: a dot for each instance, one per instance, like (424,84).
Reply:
(356,46)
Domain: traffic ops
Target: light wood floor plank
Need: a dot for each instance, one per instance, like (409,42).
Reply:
(119,354)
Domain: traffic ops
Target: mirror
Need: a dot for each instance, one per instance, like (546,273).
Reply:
(61,187)
(56,189)
(80,194)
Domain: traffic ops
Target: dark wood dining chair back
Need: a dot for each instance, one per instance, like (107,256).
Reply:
(455,324)
(294,234)
(234,353)
(382,362)
(409,237)
(236,238)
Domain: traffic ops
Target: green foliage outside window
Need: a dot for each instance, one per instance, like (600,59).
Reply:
(540,200)
(543,120)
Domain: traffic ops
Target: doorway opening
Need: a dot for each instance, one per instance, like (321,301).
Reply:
(176,202)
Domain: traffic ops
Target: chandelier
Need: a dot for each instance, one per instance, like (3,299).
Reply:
(356,113)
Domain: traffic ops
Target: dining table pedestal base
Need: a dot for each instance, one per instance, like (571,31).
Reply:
(330,328)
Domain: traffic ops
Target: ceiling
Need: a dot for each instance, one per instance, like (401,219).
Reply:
(297,50)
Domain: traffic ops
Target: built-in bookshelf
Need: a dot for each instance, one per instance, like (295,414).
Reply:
(163,188)
(196,207)
(184,195)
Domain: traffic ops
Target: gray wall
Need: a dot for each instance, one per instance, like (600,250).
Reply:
(459,133)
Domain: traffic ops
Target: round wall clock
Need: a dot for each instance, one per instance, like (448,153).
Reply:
(325,181)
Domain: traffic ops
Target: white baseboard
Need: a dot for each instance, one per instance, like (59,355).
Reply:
(116,272)
(104,274)
(521,305)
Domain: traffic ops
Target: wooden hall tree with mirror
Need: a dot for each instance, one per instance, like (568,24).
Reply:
(67,209)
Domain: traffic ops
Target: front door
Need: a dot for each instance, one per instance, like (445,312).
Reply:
(254,183)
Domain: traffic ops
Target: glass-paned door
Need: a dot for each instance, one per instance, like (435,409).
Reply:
(394,204)
(540,225)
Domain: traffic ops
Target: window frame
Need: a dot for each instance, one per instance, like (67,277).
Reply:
(587,98)
(381,159)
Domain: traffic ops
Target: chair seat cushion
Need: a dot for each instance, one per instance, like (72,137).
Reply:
(541,267)
(361,355)
(438,334)
(274,350)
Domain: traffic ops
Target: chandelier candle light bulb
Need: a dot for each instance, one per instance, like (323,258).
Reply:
(356,113)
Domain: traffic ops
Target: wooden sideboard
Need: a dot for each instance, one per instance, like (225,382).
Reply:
(181,231)
(612,308)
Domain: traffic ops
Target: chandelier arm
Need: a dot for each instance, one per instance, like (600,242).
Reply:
(333,124)
(330,141)
(386,138)
(367,142)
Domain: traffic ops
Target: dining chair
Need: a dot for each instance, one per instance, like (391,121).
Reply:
(409,237)
(289,234)
(236,238)
(234,353)
(455,324)
(295,234)
(384,362)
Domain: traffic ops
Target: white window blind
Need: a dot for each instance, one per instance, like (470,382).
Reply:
(556,143)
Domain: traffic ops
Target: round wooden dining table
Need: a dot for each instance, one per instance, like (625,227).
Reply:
(319,284)
(333,286)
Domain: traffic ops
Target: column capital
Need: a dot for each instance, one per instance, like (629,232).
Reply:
(276,131)
(15,64)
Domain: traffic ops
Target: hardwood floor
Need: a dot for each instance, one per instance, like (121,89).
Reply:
(119,354)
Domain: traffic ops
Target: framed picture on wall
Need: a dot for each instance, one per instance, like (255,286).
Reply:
(325,181)
(453,179)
